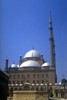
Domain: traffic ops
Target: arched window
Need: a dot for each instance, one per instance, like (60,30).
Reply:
(42,89)
(20,89)
(15,89)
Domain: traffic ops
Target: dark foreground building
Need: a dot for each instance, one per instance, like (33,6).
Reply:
(3,85)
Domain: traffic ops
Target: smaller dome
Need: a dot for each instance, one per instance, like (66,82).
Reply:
(30,63)
(18,66)
(45,64)
(13,65)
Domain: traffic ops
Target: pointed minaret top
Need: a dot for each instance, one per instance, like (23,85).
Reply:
(50,22)
(50,17)
(33,48)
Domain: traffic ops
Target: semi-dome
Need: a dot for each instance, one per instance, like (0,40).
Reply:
(30,63)
(18,65)
(33,53)
(45,64)
(13,65)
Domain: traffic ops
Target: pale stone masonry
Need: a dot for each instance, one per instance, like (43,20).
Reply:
(30,95)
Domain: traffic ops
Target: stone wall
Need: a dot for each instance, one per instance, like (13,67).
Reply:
(30,95)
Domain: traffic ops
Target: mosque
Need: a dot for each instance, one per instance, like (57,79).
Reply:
(33,72)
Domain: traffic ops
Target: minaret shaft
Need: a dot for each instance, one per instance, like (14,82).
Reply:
(51,42)
(6,65)
(52,47)
(54,55)
(51,53)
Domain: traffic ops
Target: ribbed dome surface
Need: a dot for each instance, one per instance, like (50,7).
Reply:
(30,63)
(32,53)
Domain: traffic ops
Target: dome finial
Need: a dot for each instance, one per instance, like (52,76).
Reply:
(13,62)
(33,47)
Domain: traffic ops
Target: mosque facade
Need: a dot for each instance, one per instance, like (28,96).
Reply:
(33,72)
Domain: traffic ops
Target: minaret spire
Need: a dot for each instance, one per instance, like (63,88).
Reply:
(52,47)
(51,42)
(50,18)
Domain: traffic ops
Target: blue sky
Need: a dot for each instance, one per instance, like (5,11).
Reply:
(24,25)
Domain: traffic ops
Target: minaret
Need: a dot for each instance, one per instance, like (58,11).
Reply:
(54,55)
(52,47)
(6,65)
(20,61)
(55,62)
(51,42)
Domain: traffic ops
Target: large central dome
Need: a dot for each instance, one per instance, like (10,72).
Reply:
(33,53)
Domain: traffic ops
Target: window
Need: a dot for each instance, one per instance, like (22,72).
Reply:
(42,89)
(34,75)
(42,75)
(13,82)
(47,81)
(28,75)
(33,81)
(22,82)
(47,76)
(13,76)
(18,82)
(37,75)
(22,75)
(15,88)
(9,82)
(42,81)
(28,81)
(18,76)
(9,76)
(37,81)
(20,89)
